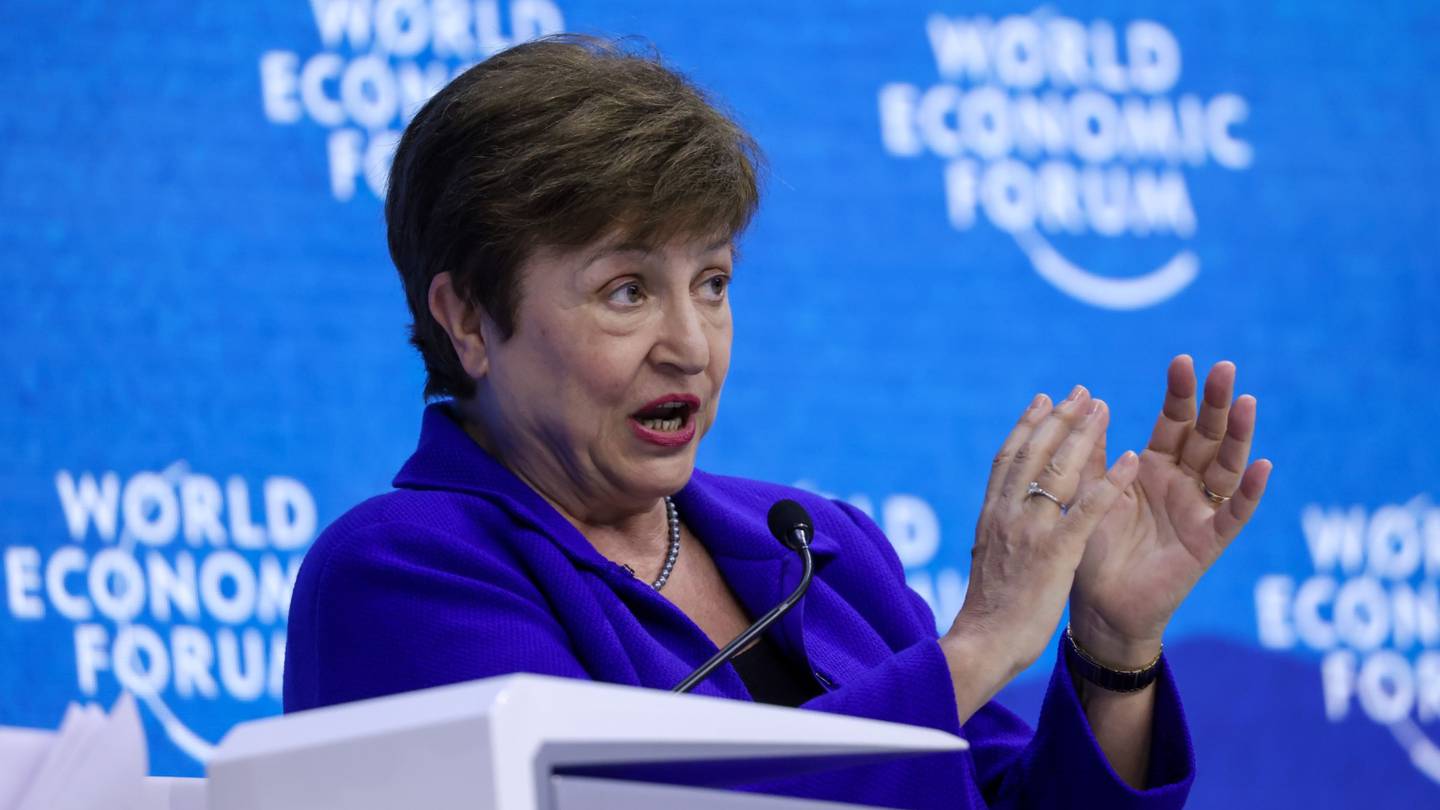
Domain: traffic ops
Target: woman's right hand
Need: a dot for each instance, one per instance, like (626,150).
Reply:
(1026,550)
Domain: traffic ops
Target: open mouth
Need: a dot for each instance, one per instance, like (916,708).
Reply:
(667,417)
(667,420)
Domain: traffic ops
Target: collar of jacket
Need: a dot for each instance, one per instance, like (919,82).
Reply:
(730,514)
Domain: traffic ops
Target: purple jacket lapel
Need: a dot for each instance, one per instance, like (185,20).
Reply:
(729,519)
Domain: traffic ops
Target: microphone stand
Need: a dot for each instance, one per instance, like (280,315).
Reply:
(730,650)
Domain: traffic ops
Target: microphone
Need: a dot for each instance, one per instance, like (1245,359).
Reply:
(792,526)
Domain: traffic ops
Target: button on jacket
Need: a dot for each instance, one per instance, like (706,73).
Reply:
(463,572)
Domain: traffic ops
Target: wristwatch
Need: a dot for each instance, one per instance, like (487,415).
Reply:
(1114,680)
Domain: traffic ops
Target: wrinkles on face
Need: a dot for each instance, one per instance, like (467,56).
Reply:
(602,331)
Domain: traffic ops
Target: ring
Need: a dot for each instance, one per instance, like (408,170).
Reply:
(1214,498)
(1035,489)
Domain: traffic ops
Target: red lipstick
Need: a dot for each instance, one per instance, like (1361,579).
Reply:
(651,421)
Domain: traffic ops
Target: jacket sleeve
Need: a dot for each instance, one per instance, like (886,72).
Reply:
(913,686)
(1059,764)
(392,607)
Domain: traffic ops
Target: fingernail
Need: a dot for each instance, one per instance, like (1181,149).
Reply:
(1095,406)
(1075,393)
(1123,463)
(1035,403)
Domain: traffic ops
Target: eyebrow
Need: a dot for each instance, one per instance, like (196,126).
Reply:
(645,249)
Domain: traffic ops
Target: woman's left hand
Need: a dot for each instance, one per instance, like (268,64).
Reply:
(1165,531)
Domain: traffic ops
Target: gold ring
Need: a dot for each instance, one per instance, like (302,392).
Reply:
(1215,498)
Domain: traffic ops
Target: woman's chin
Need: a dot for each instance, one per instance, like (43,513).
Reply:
(657,477)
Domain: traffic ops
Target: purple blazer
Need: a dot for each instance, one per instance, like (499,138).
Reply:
(465,572)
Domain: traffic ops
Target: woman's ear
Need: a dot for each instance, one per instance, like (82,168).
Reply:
(462,322)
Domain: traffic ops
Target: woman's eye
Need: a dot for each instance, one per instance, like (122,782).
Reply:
(715,286)
(628,294)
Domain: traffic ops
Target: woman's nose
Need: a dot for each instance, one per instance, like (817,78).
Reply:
(683,342)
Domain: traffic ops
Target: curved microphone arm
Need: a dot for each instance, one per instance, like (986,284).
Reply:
(730,650)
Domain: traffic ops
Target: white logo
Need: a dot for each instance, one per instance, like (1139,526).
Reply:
(1053,129)
(171,585)
(1372,609)
(369,79)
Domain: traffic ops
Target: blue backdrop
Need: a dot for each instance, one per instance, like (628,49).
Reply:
(204,341)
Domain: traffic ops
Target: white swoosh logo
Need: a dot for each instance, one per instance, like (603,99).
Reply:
(1110,293)
(185,739)
(1424,754)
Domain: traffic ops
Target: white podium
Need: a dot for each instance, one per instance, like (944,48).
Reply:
(527,742)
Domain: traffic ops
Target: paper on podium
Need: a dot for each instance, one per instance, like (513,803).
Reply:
(21,752)
(94,761)
(171,793)
(496,744)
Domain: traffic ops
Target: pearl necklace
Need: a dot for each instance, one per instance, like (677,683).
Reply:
(672,518)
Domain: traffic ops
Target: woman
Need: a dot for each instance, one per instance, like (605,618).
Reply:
(563,217)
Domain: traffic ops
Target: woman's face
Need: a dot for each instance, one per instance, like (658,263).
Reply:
(613,373)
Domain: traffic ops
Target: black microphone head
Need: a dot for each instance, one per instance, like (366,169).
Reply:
(785,518)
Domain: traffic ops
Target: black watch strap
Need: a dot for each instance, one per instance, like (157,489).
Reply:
(1114,680)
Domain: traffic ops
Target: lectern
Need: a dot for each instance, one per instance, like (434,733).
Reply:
(527,742)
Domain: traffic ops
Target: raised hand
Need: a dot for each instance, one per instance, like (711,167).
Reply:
(1193,495)
(1026,550)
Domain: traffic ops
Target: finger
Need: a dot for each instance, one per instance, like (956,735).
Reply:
(1095,500)
(1061,474)
(1179,409)
(1031,456)
(1232,517)
(1095,465)
(1202,440)
(1222,475)
(1035,412)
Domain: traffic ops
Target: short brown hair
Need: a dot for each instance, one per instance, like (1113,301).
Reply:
(553,142)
